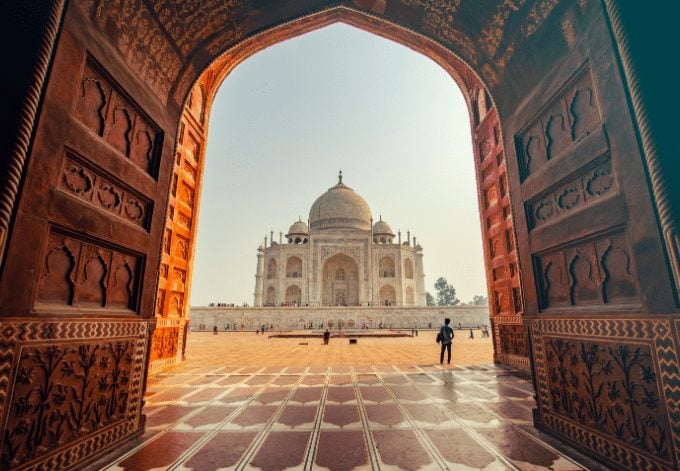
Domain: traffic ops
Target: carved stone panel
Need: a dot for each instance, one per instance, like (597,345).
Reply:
(164,343)
(587,186)
(72,396)
(596,272)
(103,107)
(570,116)
(513,339)
(78,273)
(89,184)
(604,383)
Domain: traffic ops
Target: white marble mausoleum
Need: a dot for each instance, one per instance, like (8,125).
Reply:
(340,258)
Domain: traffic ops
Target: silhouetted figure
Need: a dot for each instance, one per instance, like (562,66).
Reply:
(446,339)
(215,330)
(326,337)
(472,334)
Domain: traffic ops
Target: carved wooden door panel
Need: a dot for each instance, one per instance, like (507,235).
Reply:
(597,286)
(79,278)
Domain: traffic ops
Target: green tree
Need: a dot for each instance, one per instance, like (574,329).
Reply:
(446,293)
(429,299)
(479,300)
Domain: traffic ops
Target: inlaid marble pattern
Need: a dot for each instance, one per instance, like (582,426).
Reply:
(342,418)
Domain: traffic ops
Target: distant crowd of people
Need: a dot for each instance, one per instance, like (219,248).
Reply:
(228,305)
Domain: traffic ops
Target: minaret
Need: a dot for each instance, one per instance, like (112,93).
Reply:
(370,264)
(399,234)
(259,278)
(408,237)
(420,299)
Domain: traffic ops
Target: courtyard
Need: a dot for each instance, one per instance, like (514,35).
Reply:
(247,401)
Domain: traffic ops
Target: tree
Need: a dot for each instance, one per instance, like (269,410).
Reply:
(429,299)
(479,300)
(446,293)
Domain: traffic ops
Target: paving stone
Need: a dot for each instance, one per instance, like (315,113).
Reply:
(418,416)
(341,450)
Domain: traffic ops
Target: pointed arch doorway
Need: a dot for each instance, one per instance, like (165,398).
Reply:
(564,185)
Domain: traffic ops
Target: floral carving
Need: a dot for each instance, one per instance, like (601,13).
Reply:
(584,188)
(64,393)
(328,251)
(513,339)
(142,43)
(108,196)
(539,11)
(492,34)
(611,388)
(134,209)
(600,181)
(164,343)
(544,210)
(78,180)
(568,198)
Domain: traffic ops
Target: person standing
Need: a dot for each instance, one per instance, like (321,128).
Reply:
(446,339)
(326,337)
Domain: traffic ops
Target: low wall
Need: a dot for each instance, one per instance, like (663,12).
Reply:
(293,318)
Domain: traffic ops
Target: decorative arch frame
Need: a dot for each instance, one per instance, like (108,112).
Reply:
(611,137)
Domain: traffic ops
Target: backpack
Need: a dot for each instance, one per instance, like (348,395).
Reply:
(439,337)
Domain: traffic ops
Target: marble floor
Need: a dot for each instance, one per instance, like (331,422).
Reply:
(342,418)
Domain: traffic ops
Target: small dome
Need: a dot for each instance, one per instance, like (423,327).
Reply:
(340,208)
(382,228)
(298,228)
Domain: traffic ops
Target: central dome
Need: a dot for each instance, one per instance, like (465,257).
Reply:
(340,208)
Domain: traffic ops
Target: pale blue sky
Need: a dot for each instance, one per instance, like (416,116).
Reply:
(287,119)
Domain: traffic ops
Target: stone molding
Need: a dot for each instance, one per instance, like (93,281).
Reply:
(26,117)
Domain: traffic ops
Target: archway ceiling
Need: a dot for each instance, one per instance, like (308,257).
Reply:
(168,43)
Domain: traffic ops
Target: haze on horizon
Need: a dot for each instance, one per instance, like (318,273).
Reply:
(286,120)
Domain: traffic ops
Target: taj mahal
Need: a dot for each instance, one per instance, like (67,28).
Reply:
(339,270)
(340,258)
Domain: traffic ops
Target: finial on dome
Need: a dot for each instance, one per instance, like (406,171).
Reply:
(381,217)
(340,177)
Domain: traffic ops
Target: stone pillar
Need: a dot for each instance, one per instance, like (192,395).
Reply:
(259,279)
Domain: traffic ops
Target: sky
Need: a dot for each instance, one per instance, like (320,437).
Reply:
(286,120)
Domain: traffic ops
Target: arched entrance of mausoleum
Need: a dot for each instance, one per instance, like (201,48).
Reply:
(340,282)
(104,198)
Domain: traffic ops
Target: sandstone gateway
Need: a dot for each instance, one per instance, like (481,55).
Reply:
(105,116)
